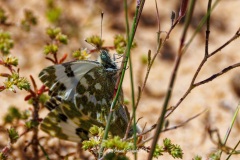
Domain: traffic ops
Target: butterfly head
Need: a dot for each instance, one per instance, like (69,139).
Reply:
(106,60)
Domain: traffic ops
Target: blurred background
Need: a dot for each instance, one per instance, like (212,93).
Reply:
(80,19)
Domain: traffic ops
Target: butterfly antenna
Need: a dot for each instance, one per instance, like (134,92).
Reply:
(101,23)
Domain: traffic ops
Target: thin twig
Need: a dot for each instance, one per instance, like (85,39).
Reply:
(206,57)
(185,122)
(151,63)
(50,59)
(210,132)
(33,83)
(217,75)
(161,118)
(145,141)
(234,149)
(208,27)
(200,25)
(55,58)
(143,133)
(165,130)
(171,128)
(158,20)
(160,45)
(236,35)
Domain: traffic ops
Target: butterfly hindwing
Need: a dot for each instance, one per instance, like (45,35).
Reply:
(57,124)
(66,122)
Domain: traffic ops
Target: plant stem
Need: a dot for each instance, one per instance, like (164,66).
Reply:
(160,121)
(230,127)
(35,141)
(123,70)
(164,109)
(234,149)
(132,85)
(208,27)
(206,57)
(200,25)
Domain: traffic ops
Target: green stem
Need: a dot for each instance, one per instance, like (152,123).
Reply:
(44,151)
(123,70)
(164,109)
(133,108)
(132,84)
(234,149)
(230,127)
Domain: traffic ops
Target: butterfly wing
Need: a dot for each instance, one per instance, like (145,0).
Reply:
(81,94)
(66,122)
(63,78)
(95,98)
(58,125)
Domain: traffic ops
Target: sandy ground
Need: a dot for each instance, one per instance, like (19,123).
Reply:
(217,96)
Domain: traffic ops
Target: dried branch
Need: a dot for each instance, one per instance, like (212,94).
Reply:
(161,118)
(208,27)
(167,129)
(184,123)
(217,75)
(204,60)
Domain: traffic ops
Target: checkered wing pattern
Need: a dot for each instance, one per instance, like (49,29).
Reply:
(81,95)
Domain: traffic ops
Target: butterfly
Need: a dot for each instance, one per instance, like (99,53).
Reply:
(81,95)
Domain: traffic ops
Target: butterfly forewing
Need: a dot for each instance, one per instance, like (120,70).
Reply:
(63,78)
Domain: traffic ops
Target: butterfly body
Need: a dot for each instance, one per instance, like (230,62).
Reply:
(81,95)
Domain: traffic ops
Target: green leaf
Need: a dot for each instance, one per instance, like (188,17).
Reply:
(197,157)
(52,48)
(53,32)
(89,144)
(12,114)
(6,43)
(115,156)
(117,143)
(95,40)
(158,151)
(15,80)
(53,14)
(3,16)
(96,131)
(31,124)
(13,135)
(62,38)
(81,54)
(11,61)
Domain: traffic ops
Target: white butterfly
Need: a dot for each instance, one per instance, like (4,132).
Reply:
(81,95)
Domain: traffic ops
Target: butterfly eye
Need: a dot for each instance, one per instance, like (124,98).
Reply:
(103,57)
(104,54)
